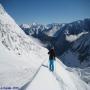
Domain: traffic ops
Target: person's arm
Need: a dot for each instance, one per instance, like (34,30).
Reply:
(54,55)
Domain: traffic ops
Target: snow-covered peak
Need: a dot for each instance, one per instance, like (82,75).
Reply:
(7,22)
(34,24)
(25,26)
(2,11)
(12,37)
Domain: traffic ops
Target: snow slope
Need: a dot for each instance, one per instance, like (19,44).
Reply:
(20,57)
(62,79)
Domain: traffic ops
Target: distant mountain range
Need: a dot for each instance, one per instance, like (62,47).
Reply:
(57,35)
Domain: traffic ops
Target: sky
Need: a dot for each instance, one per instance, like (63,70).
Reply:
(47,11)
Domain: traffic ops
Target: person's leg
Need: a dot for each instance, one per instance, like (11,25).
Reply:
(50,65)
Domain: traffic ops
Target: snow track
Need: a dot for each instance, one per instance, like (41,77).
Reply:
(44,81)
(61,79)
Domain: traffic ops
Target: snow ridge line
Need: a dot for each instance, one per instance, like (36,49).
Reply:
(30,81)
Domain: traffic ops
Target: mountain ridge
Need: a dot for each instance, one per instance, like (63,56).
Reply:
(57,34)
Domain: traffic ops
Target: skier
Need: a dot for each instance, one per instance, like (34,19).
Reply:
(51,59)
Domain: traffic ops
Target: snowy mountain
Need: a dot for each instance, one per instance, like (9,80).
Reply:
(79,52)
(32,29)
(58,34)
(18,53)
(78,56)
(72,44)
(24,63)
(73,28)
(45,33)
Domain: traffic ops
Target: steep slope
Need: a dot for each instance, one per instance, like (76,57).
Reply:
(20,57)
(79,51)
(78,56)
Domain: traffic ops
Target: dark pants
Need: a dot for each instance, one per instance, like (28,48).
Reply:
(51,65)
